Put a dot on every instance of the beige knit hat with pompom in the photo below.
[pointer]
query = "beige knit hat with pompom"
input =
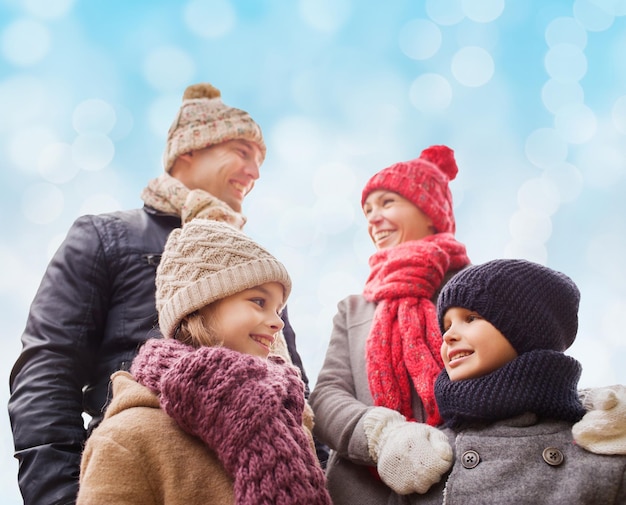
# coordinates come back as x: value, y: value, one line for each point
x: 204, y: 120
x: 205, y: 261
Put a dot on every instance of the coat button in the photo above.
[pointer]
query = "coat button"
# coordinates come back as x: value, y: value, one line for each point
x: 470, y: 459
x: 553, y: 456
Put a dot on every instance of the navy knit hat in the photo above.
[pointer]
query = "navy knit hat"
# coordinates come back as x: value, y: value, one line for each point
x: 533, y: 306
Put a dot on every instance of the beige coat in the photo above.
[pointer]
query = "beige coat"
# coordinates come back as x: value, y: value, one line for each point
x: 140, y: 455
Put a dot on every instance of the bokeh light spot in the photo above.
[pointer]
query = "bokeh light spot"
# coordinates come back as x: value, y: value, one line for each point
x: 332, y: 215
x: 210, y: 19
x: 93, y: 116
x: 539, y: 196
x: 613, y: 322
x: 556, y: 94
x: 297, y: 228
x: 124, y: 123
x: 420, y: 39
x: 567, y: 179
x: 49, y: 9
x: 297, y: 139
x: 22, y: 98
x: 618, y: 114
x: 334, y: 179
x: 528, y: 226
x: 566, y: 62
x: 605, y: 255
x: 42, y: 203
x: 545, y: 148
x: 26, y: 144
x: 602, y: 164
x: 430, y: 93
x: 25, y: 42
x: 325, y: 15
x: 484, y: 11
x: 10, y: 269
x: 445, y: 12
x: 56, y: 164
x: 472, y: 66
x: 92, y: 151
x: 161, y: 113
x: 576, y: 123
x: 566, y: 30
x: 592, y: 15
x: 168, y: 68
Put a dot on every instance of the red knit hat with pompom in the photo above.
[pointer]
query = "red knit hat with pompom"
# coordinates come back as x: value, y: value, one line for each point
x: 424, y: 182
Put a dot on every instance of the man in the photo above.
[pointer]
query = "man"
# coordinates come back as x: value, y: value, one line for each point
x: 95, y: 305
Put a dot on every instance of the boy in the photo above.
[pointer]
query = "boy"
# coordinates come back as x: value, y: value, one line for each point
x: 508, y: 394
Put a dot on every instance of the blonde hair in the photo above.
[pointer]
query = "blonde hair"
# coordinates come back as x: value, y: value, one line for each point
x: 197, y: 329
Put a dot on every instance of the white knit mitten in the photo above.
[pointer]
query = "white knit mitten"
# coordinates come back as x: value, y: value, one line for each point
x: 410, y: 456
x: 602, y: 429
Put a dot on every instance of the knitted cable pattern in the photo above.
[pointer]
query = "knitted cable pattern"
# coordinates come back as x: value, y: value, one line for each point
x: 169, y: 195
x: 247, y: 410
x: 541, y: 381
x: 405, y: 340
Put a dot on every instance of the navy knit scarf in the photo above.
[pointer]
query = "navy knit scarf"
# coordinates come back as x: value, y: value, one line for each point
x: 541, y: 381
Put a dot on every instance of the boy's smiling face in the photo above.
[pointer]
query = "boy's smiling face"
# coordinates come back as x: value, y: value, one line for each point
x: 472, y: 346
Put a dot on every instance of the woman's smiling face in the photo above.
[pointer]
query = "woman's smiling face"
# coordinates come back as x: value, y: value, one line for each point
x: 392, y: 219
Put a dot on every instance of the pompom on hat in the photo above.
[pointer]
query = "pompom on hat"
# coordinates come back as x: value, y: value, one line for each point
x: 204, y: 120
x: 205, y: 261
x: 424, y: 182
x: 533, y: 306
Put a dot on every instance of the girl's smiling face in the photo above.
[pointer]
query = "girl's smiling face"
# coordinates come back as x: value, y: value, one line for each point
x: 247, y: 321
x: 472, y: 346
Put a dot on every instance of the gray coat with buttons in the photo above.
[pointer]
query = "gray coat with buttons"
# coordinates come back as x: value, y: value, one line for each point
x: 524, y: 461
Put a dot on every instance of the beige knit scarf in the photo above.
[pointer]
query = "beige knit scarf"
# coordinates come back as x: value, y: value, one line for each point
x: 168, y: 194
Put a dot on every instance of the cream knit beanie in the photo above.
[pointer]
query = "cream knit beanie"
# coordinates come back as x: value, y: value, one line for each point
x: 204, y: 120
x: 205, y: 261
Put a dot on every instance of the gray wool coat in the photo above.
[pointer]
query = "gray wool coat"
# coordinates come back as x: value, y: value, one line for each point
x: 512, y: 469
x: 341, y: 399
x: 524, y: 461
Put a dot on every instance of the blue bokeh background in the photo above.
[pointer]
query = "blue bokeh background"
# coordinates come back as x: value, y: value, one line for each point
x: 530, y: 95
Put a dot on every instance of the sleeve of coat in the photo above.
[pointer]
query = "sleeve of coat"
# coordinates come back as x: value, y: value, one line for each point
x: 59, y: 343
x: 338, y: 413
x: 111, y: 473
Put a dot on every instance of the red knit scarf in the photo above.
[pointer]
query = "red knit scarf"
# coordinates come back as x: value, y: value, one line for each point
x: 404, y: 341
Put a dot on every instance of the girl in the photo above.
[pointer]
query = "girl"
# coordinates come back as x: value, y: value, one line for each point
x: 207, y: 415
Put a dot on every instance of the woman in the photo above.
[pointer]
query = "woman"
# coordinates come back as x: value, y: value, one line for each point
x: 383, y: 356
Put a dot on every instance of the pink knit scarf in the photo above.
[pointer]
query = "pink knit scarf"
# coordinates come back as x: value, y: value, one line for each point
x: 246, y: 409
x: 404, y: 341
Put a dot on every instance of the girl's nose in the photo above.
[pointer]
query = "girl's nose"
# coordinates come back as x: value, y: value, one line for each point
x: 277, y: 323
